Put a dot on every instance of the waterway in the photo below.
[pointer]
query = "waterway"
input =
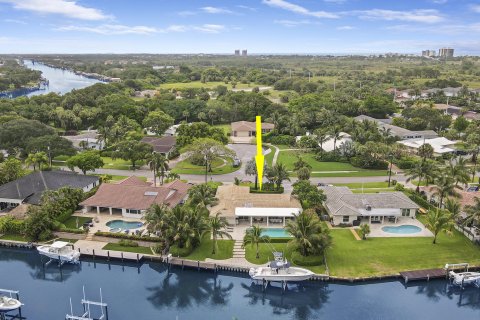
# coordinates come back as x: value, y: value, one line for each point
x: 59, y: 81
x: 150, y: 291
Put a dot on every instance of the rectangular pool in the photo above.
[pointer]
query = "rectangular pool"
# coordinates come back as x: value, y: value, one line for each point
x: 276, y: 233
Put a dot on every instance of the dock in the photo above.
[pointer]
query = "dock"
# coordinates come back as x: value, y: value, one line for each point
x: 425, y: 274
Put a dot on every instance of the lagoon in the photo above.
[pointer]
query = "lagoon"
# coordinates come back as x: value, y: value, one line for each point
x: 150, y: 291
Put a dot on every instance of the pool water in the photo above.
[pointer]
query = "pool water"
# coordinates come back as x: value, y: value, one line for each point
x: 405, y: 229
x: 276, y: 233
x: 124, y: 225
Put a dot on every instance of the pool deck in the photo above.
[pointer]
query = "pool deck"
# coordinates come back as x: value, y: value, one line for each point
x: 103, y: 219
x: 377, y: 232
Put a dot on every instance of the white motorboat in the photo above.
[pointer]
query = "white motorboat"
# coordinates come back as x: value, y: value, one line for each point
x: 9, y: 304
x: 464, y: 278
x: 60, y: 250
x: 280, y: 270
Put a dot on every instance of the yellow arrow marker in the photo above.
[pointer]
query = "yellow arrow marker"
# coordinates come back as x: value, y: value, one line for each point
x: 259, y: 158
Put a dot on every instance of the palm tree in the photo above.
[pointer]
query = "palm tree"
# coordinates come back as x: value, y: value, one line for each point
x: 158, y: 220
x: 157, y: 163
x: 322, y: 137
x: 417, y: 172
x: 459, y: 171
x: 473, y: 212
x: 280, y: 174
x: 365, y: 230
x: 30, y: 161
x: 335, y: 135
x: 453, y: 206
x: 251, y: 170
x: 37, y: 159
x: 218, y: 226
x: 437, y: 221
x: 445, y: 186
x: 186, y: 114
x: 202, y: 195
x: 254, y: 237
x: 310, y: 236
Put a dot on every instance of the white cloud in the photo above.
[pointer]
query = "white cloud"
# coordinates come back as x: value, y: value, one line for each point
x: 209, y: 28
x: 345, y: 28
x: 187, y: 13
x: 15, y: 21
x: 246, y: 7
x: 63, y: 7
x: 475, y: 7
x: 285, y: 5
x: 111, y: 29
x: 439, y: 1
x: 423, y: 16
x: 292, y: 23
x: 216, y: 10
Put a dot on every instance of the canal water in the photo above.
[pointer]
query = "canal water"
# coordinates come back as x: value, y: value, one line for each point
x: 150, y: 291
x: 60, y: 81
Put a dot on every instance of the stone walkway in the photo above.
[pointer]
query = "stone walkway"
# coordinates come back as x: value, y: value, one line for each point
x: 238, y: 250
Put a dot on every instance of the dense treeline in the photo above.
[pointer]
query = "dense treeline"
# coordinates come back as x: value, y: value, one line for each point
x: 14, y: 76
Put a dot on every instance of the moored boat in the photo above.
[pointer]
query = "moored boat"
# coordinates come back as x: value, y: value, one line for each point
x: 9, y: 304
x: 280, y: 270
x: 60, y: 250
x: 464, y: 278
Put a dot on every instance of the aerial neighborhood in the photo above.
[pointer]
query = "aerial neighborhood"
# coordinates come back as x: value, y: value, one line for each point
x: 173, y: 172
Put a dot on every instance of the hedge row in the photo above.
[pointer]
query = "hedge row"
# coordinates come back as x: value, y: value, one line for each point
x: 126, y: 236
x: 71, y: 230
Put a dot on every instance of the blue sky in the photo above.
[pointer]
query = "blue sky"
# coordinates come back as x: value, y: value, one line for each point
x: 261, y: 26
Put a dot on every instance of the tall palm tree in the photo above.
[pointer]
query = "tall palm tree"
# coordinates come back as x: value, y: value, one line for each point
x: 445, y: 186
x: 454, y: 207
x: 417, y: 172
x: 157, y: 162
x: 335, y: 135
x: 437, y: 221
x: 158, y: 220
x: 280, y: 174
x: 322, y: 137
x: 310, y: 236
x: 218, y: 226
x: 31, y: 161
x: 473, y: 212
x: 459, y: 171
x: 254, y: 237
x: 37, y: 159
x: 202, y: 195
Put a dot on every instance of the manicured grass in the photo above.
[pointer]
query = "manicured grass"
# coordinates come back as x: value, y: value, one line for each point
x: 117, y: 247
x: 71, y: 223
x: 284, y: 146
x: 266, y: 255
x: 269, y: 157
x: 14, y: 237
x: 119, y: 164
x: 373, y: 190
x: 381, y: 256
x: 218, y: 167
x: 359, y: 185
x: 290, y: 157
x: 204, y: 251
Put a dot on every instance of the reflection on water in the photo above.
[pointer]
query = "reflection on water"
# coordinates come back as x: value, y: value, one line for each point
x: 151, y: 291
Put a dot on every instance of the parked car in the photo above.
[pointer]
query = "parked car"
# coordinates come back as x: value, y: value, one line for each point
x: 236, y: 162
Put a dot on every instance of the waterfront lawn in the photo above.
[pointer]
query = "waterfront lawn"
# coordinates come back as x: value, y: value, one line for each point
x: 14, y: 237
x: 266, y: 255
x: 71, y: 223
x: 117, y: 247
x: 290, y: 157
x: 381, y: 256
x: 218, y: 167
x: 204, y: 250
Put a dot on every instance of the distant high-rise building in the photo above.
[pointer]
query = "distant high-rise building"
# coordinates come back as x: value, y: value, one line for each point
x: 445, y: 52
x: 428, y: 53
x: 244, y: 52
x: 237, y: 52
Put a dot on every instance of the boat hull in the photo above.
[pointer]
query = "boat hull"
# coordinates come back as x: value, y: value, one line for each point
x: 465, y: 278
x: 9, y: 304
x: 71, y: 257
x: 284, y: 275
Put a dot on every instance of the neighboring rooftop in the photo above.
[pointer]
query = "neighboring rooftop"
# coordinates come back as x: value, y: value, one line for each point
x: 399, y: 131
x: 29, y: 188
x: 341, y: 201
x: 440, y: 145
x: 133, y: 193
x: 250, y: 126
x: 163, y: 144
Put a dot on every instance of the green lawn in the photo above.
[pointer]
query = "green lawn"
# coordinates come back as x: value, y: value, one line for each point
x: 71, y: 223
x: 117, y: 247
x: 218, y: 167
x: 119, y: 164
x: 204, y: 251
x: 359, y: 185
x: 14, y: 237
x: 381, y: 256
x: 267, y: 255
x: 269, y: 157
x: 290, y: 157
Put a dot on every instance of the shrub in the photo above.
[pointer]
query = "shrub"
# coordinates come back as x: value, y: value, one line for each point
x: 173, y: 154
x: 10, y: 225
x: 180, y: 252
x: 279, y: 139
x: 399, y: 187
x: 330, y: 157
x: 126, y: 236
x: 266, y: 190
x: 279, y: 240
x: 312, y: 260
x: 70, y: 230
x: 405, y: 163
x: 128, y: 243
x: 360, y: 163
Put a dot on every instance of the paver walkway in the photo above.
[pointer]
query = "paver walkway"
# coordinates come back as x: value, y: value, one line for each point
x: 238, y: 250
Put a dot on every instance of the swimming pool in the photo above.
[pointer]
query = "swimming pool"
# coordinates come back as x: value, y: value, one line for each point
x: 404, y: 229
x: 276, y: 233
x: 124, y: 225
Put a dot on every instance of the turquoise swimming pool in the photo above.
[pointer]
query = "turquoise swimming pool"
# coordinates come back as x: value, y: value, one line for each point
x: 276, y: 233
x: 124, y: 225
x: 405, y: 229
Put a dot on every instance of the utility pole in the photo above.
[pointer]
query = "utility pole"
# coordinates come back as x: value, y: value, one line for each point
x: 49, y: 157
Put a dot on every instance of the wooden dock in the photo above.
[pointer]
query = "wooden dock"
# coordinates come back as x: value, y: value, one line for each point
x: 426, y: 274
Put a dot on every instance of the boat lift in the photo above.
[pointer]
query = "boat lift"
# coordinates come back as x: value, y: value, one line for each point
x: 7, y: 315
x: 86, y: 304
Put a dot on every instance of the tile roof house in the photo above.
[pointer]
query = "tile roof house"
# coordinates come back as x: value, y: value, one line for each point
x: 399, y: 132
x: 132, y: 197
x: 163, y: 145
x: 243, y: 131
x: 29, y: 189
x: 345, y: 207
